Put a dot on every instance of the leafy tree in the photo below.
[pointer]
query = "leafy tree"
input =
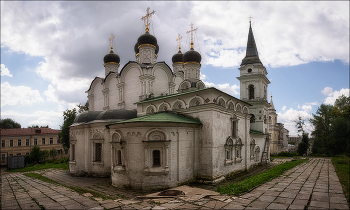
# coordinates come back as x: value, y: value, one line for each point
x: 83, y: 108
x: 68, y: 119
x: 53, y: 153
x: 9, y: 123
x: 36, y: 155
x: 304, y: 144
x: 332, y: 128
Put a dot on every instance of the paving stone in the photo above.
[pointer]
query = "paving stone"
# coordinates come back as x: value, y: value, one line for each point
x: 233, y: 206
x: 281, y: 200
x: 319, y: 204
x: 277, y: 206
x: 272, y: 193
x: 296, y: 207
x: 215, y: 204
x: 338, y: 206
x: 112, y: 205
x: 259, y: 204
x: 338, y: 199
x: 300, y: 202
x: 303, y: 196
x: 187, y: 206
x: 171, y: 205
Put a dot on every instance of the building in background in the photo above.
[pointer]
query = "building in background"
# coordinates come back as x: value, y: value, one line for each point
x: 19, y: 141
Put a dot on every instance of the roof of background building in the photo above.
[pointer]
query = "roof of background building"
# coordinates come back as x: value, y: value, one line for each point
x: 28, y: 131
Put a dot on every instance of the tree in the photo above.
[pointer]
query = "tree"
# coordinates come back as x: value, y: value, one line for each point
x: 68, y: 119
x: 83, y: 108
x: 9, y: 123
x: 332, y: 128
x: 53, y: 153
x: 304, y: 144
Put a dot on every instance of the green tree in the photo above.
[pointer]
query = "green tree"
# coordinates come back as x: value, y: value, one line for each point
x: 9, y: 123
x: 53, y: 153
x: 83, y: 108
x: 36, y: 155
x: 304, y: 144
x: 68, y: 119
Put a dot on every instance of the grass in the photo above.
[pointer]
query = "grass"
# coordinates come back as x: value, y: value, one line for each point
x: 76, y: 189
x: 64, y: 166
x: 251, y: 182
x: 341, y: 164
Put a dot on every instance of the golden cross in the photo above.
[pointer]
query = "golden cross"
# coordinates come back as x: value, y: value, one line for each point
x: 192, y: 34
x: 250, y: 19
x: 178, y: 39
x: 111, y: 39
x: 148, y: 15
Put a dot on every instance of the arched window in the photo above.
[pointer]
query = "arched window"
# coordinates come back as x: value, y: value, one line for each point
x: 156, y: 158
x: 228, y: 151
x: 251, y: 91
x: 119, y: 158
x: 252, y: 118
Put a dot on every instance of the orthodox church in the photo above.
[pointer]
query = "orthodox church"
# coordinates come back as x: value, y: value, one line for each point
x: 151, y: 125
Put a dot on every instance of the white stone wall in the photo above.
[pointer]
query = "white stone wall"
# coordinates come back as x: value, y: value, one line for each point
x: 132, y: 88
x: 161, y: 83
x: 113, y: 93
x: 98, y: 97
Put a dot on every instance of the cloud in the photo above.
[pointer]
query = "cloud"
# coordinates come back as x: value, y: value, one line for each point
x: 13, y: 95
x: 232, y: 90
x: 288, y: 119
x: 284, y: 108
x: 327, y: 90
x: 51, y: 118
x: 334, y: 95
x: 72, y: 37
x: 5, y: 71
x: 307, y: 108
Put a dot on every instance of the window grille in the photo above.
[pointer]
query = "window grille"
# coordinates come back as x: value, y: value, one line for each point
x: 156, y: 158
x: 98, y: 152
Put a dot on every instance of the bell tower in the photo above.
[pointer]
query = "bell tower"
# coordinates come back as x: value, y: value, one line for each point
x: 253, y: 85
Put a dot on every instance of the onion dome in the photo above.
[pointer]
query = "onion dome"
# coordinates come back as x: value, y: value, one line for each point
x: 111, y: 57
x: 192, y: 56
x: 147, y: 38
x: 178, y: 57
x: 136, y: 48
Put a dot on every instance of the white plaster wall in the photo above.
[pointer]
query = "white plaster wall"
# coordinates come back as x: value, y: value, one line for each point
x: 98, y: 97
x: 161, y: 82
x: 113, y: 93
x: 132, y: 88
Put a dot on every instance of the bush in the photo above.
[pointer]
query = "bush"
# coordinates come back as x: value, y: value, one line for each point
x: 36, y: 156
x: 287, y: 154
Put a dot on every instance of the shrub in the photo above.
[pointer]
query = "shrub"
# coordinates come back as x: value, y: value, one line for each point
x: 287, y: 154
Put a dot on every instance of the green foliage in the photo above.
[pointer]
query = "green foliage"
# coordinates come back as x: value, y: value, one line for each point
x: 251, y: 182
x: 68, y: 119
x: 332, y: 128
x: 9, y: 123
x: 36, y: 155
x: 83, y: 108
x: 341, y: 164
x: 53, y: 153
x: 304, y: 144
x: 287, y: 154
x: 32, y: 167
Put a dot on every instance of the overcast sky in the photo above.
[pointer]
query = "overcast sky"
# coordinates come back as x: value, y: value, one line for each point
x: 51, y: 51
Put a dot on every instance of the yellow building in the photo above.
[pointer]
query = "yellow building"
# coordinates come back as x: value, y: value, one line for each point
x: 19, y: 141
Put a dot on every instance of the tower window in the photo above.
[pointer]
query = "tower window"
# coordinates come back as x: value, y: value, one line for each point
x: 249, y: 70
x: 156, y: 158
x: 251, y: 91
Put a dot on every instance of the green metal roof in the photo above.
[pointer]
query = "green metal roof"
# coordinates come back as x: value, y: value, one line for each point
x: 165, y: 117
x: 256, y: 132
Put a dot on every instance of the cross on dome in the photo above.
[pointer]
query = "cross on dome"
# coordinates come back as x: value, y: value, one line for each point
x: 179, y: 39
x: 148, y: 15
x: 250, y: 19
x: 111, y: 39
x: 192, y: 34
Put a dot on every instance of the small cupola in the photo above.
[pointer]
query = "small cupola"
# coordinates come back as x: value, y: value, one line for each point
x: 111, y: 60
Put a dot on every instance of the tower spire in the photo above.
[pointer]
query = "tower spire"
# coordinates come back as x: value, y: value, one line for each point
x: 271, y: 104
x: 252, y: 55
x: 148, y: 15
x: 192, y: 34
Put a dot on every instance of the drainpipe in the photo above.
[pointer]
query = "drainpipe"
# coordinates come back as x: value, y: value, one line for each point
x: 178, y: 155
x: 245, y: 143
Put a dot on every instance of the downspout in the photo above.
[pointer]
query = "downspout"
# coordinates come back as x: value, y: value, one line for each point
x: 245, y: 143
x: 178, y: 155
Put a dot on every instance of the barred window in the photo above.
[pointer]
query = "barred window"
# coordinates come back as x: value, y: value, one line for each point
x: 98, y: 152
x: 156, y: 158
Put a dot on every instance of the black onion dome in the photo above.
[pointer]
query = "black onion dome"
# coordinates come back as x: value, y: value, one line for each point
x: 178, y: 57
x: 111, y: 57
x: 147, y: 38
x: 192, y: 56
x: 157, y: 49
x: 136, y: 48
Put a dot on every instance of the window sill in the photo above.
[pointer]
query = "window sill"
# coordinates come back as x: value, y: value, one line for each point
x: 238, y: 160
x: 72, y: 163
x: 119, y: 169
x: 228, y: 162
x: 97, y: 163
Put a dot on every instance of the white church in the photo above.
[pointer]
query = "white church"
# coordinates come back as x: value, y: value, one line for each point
x: 153, y: 126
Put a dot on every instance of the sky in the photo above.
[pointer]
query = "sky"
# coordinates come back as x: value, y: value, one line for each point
x: 52, y: 50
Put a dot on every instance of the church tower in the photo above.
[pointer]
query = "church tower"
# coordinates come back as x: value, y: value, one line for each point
x: 111, y: 60
x: 253, y: 85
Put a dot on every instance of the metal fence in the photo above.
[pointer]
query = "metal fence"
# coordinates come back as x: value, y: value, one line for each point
x: 15, y: 162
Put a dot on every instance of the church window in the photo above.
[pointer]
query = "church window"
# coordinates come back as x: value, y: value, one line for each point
x: 98, y: 152
x: 234, y: 129
x: 249, y: 70
x: 257, y: 152
x: 229, y: 151
x: 252, y: 118
x: 251, y: 91
x: 231, y: 106
x: 73, y: 152
x: 221, y: 102
x: 156, y: 158
x: 252, y: 146
x: 239, y: 146
x: 119, y: 158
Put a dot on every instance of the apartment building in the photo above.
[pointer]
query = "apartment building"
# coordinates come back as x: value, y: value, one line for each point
x: 19, y: 141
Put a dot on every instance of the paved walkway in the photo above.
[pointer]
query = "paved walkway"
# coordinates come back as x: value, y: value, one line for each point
x: 313, y: 185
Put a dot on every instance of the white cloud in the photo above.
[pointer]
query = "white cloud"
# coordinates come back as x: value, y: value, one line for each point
x: 5, y: 71
x: 232, y: 90
x: 13, y: 95
x: 334, y: 95
x: 312, y: 103
x: 202, y: 77
x: 307, y: 108
x: 284, y: 108
x: 288, y: 119
x: 42, y: 118
x: 327, y: 90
